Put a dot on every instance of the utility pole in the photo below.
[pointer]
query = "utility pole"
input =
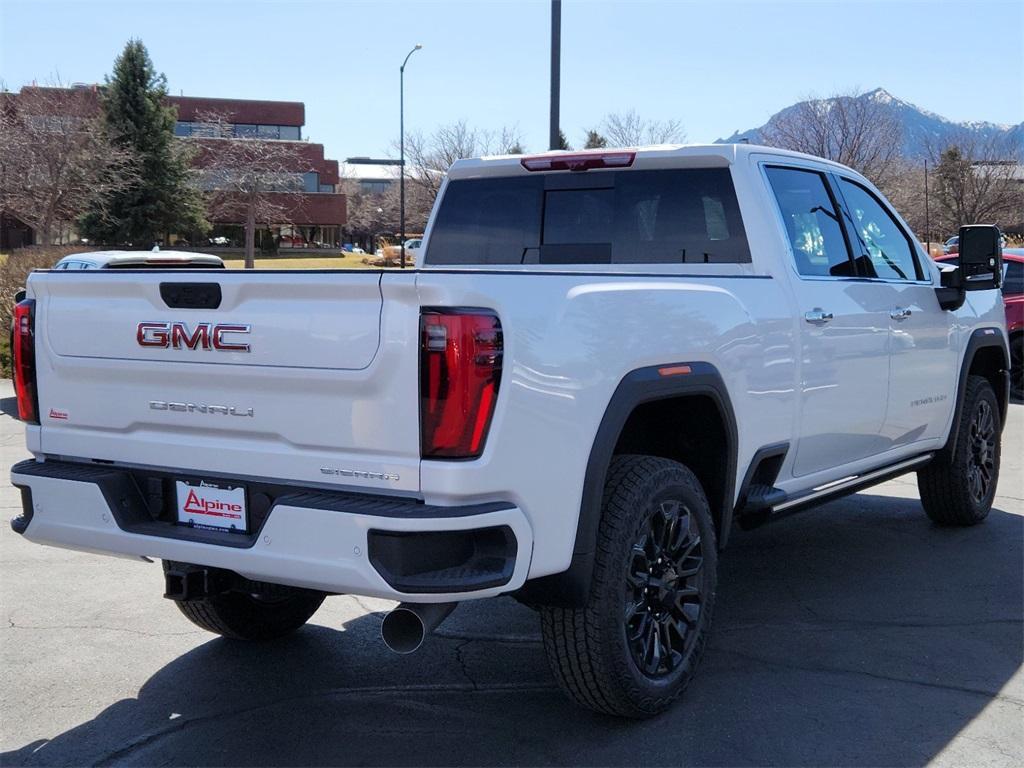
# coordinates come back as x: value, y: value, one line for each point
x: 927, y: 223
x: 556, y: 66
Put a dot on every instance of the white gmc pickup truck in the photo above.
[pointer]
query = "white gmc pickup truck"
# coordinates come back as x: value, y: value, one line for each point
x: 602, y: 363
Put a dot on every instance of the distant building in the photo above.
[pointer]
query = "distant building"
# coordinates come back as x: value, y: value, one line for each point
x: 372, y: 176
x: 316, y: 214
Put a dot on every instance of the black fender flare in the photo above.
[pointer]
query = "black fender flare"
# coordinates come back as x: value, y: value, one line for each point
x: 643, y: 385
x: 980, y: 338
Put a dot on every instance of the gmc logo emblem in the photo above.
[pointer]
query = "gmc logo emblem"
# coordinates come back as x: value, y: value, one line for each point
x: 205, y: 336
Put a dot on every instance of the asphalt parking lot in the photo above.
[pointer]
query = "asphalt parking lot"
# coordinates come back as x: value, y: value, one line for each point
x: 857, y: 634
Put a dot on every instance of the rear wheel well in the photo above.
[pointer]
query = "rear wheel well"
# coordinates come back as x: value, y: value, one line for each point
x: 691, y: 430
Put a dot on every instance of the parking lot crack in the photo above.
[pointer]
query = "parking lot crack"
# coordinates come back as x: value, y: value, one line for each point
x: 461, y: 659
x: 825, y: 670
x: 183, y: 723
x: 98, y: 628
x: 839, y: 626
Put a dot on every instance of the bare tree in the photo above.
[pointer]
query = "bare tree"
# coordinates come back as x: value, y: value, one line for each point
x: 56, y: 161
x: 977, y: 181
x: 853, y: 129
x: 628, y: 129
x: 904, y: 186
x: 249, y: 180
x: 428, y: 158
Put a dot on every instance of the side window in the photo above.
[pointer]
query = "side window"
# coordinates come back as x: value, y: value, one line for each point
x: 885, y: 251
x: 812, y: 222
x: 1013, y: 278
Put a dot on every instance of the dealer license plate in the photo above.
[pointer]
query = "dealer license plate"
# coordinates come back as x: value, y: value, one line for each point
x: 212, y: 505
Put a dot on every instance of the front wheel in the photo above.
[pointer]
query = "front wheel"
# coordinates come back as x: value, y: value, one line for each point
x: 958, y: 486
x: 633, y: 648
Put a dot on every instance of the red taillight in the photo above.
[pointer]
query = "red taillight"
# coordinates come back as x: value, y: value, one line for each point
x: 581, y: 161
x: 460, y: 370
x: 24, y: 353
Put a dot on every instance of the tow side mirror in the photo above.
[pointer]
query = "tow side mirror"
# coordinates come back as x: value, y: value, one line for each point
x: 981, y: 257
x: 951, y: 294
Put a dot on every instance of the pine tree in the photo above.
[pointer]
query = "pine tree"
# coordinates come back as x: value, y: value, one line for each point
x: 563, y: 143
x: 595, y: 140
x: 138, y: 119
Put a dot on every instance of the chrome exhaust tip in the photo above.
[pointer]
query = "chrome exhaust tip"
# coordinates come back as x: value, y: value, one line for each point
x: 406, y: 627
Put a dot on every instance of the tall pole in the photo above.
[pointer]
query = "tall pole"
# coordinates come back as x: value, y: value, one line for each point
x: 927, y: 223
x: 401, y: 150
x: 556, y: 67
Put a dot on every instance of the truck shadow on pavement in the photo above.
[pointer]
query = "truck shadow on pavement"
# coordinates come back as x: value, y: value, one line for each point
x: 858, y: 634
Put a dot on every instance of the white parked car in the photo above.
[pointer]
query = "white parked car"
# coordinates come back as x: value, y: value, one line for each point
x: 604, y: 361
x: 138, y: 260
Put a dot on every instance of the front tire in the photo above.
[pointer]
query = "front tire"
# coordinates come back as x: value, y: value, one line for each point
x: 958, y: 486
x: 243, y: 616
x: 634, y: 647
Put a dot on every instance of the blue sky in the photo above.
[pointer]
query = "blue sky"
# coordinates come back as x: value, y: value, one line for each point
x: 715, y: 66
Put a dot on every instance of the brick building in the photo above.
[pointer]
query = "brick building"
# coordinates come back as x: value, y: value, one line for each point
x: 314, y: 206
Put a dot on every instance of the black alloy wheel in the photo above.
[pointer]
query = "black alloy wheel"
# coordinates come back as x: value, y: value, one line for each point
x: 981, y: 471
x: 664, y: 588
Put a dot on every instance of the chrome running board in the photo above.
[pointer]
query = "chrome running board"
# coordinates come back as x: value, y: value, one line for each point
x: 851, y: 484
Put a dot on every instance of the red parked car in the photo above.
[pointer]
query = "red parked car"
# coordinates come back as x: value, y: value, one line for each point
x: 1013, y: 300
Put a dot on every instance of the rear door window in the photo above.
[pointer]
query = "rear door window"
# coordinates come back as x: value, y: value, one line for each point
x: 811, y: 218
x: 625, y: 217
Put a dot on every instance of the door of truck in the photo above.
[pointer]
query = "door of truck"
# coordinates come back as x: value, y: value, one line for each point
x: 844, y: 328
x: 922, y: 369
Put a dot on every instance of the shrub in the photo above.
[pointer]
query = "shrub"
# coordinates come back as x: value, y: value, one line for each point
x: 14, y: 274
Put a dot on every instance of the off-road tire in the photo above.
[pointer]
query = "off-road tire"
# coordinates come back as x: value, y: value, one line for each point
x: 945, y: 484
x: 241, y: 616
x: 587, y: 647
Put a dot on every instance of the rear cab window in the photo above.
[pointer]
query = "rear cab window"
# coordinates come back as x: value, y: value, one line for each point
x: 671, y: 216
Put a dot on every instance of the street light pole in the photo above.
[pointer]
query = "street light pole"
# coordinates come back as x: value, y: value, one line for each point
x: 554, y: 137
x: 401, y: 145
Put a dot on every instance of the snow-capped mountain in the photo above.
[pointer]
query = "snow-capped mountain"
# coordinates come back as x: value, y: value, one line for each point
x: 921, y: 128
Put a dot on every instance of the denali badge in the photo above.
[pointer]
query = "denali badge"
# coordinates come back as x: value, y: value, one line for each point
x: 359, y: 473
x: 205, y: 336
x: 226, y: 410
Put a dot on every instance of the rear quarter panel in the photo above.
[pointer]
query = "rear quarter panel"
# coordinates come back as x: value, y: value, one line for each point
x: 570, y: 338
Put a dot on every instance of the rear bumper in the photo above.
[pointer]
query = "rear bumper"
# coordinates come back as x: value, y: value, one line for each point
x: 380, y: 546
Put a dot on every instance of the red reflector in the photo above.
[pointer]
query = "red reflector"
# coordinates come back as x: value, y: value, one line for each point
x: 24, y: 354
x: 675, y: 370
x: 581, y: 161
x: 460, y: 370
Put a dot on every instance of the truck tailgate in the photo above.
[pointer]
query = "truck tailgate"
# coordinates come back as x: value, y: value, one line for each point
x: 128, y: 373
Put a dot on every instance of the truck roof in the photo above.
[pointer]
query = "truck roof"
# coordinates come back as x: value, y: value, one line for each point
x: 654, y: 156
